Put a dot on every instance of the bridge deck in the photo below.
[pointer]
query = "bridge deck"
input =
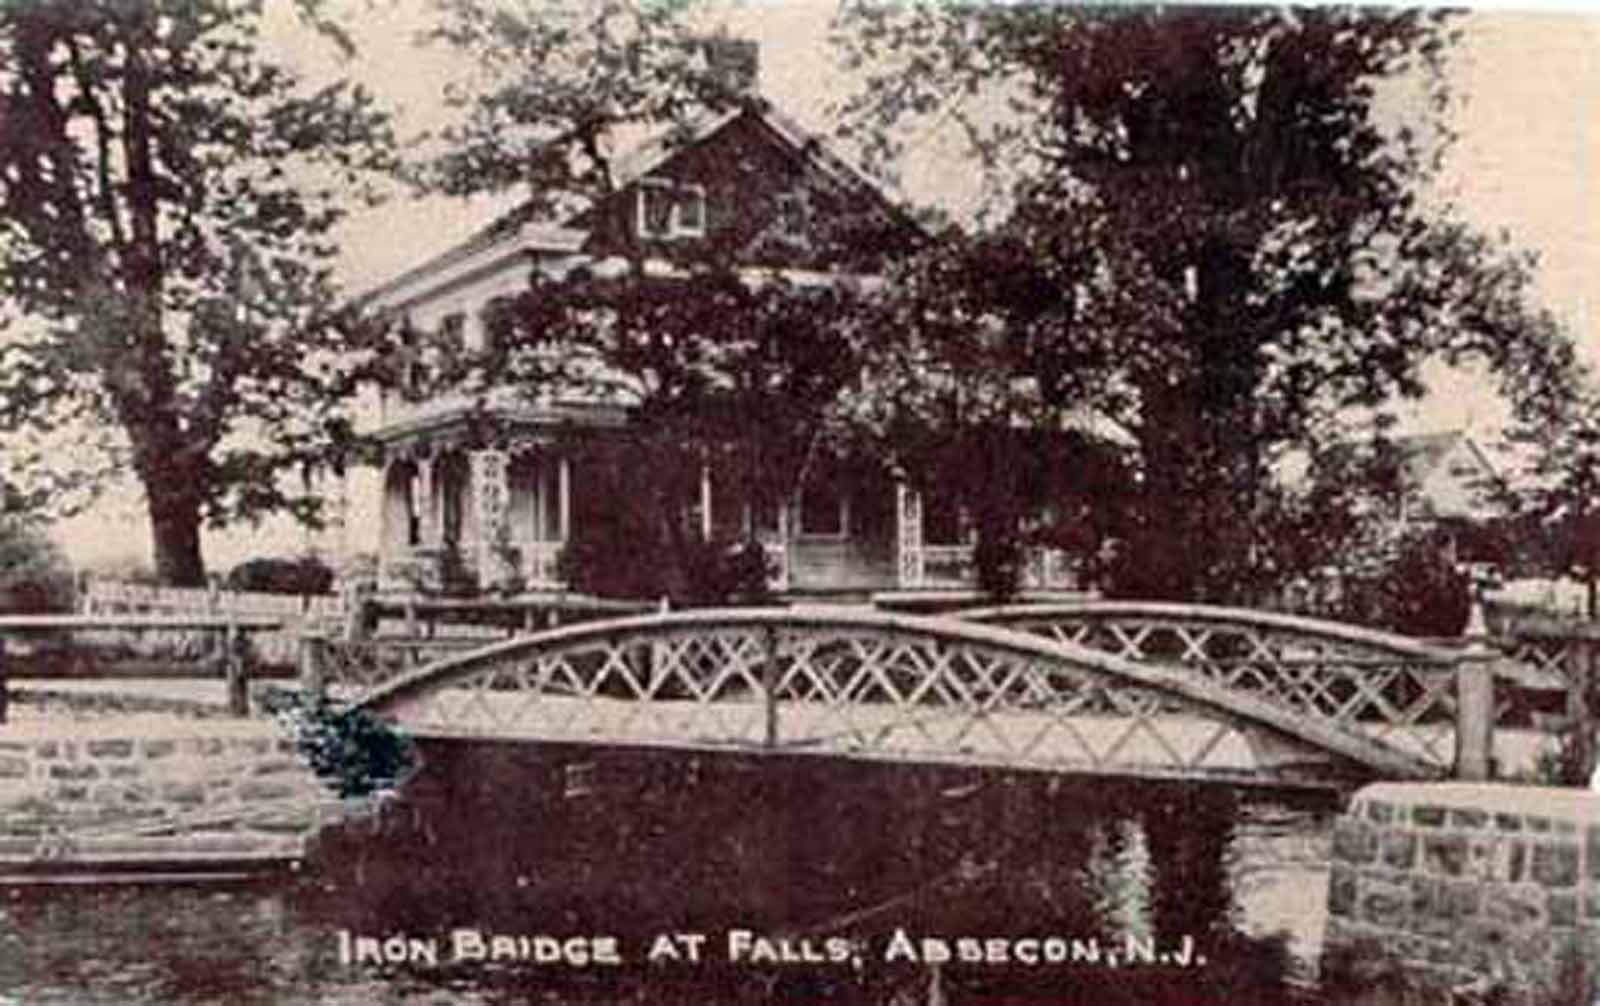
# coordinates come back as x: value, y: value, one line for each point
x: 1166, y: 745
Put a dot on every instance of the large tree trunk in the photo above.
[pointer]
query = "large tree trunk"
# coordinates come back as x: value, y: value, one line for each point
x: 175, y: 530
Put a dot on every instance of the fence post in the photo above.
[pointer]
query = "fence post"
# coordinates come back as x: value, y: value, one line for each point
x: 1475, y: 713
x: 1582, y: 654
x: 313, y: 663
x: 5, y: 682
x: 238, y: 678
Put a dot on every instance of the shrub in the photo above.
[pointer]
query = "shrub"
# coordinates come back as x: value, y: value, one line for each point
x: 35, y: 577
x: 1418, y: 592
x: 353, y: 752
x: 643, y: 566
x: 305, y: 575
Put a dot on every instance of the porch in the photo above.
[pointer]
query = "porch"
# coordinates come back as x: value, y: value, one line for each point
x: 458, y: 522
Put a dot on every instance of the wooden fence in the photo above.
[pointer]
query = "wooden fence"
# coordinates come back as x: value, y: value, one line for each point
x: 278, y: 646
x: 226, y: 650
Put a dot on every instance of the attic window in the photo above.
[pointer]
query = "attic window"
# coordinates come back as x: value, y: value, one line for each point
x: 791, y: 215
x: 667, y: 210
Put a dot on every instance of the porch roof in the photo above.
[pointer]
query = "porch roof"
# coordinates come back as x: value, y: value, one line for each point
x: 468, y: 423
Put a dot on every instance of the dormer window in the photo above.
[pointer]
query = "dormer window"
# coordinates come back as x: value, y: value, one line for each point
x: 670, y: 210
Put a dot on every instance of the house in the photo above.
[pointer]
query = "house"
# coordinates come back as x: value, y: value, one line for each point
x: 1446, y: 476
x: 494, y: 486
x: 1443, y: 482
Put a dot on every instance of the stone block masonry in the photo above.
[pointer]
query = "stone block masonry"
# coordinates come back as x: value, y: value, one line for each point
x: 133, y: 789
x: 1451, y: 886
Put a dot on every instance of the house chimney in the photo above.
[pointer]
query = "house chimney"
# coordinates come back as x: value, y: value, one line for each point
x: 735, y: 63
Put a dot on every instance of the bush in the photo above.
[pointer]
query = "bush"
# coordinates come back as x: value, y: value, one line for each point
x: 1418, y: 592
x: 35, y: 577
x: 353, y: 752
x: 642, y: 566
x: 305, y: 575
x: 998, y: 557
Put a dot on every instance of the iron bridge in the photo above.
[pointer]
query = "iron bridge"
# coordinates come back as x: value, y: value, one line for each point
x: 1154, y: 691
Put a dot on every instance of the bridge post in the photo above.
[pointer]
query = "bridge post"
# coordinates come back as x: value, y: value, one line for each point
x: 235, y: 671
x: 1475, y: 713
x: 313, y: 663
x: 769, y: 688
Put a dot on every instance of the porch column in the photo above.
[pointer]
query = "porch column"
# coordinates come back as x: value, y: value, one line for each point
x: 386, y: 506
x: 705, y: 501
x: 908, y: 522
x: 564, y: 497
x: 491, y: 499
x: 428, y: 532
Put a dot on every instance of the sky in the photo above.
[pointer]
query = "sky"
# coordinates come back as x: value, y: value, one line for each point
x: 1526, y: 162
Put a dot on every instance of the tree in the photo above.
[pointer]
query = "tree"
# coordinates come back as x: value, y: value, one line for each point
x: 1229, y: 248
x: 950, y: 394
x: 167, y: 200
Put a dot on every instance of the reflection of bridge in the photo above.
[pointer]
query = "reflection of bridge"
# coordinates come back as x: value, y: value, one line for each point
x: 1161, y: 691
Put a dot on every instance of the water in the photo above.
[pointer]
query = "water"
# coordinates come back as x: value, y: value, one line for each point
x: 799, y: 881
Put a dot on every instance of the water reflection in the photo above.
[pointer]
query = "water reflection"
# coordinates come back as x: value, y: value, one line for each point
x: 945, y: 886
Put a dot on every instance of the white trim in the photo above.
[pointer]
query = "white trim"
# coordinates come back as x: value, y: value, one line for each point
x: 844, y: 518
x: 672, y: 191
x: 456, y: 267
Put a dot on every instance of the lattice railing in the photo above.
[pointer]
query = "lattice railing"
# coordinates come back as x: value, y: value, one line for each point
x: 948, y: 566
x: 1390, y: 688
x: 350, y: 670
x: 870, y: 685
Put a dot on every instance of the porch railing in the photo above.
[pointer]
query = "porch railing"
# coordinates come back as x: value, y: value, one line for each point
x: 541, y: 564
x: 954, y: 566
x: 423, y: 567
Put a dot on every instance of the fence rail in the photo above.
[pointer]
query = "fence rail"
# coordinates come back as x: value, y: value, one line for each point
x: 228, y: 651
x: 279, y: 646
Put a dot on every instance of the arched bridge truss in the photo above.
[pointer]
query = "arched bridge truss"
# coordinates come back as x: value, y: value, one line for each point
x: 875, y: 686
x: 1395, y: 690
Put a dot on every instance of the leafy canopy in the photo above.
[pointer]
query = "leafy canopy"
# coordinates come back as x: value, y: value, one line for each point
x: 1216, y: 230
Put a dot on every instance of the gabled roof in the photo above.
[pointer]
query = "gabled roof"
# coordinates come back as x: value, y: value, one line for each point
x: 1422, y: 454
x: 518, y: 231
x: 1418, y: 455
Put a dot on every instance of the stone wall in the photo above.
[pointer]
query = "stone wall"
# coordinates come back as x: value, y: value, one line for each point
x: 1480, y: 888
x: 151, y: 788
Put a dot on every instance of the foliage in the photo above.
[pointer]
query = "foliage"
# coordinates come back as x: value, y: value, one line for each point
x: 35, y: 576
x: 1419, y: 592
x: 352, y: 751
x: 167, y: 199
x: 1204, y: 231
x: 1557, y: 505
x: 638, y: 545
x: 303, y: 575
x: 551, y: 85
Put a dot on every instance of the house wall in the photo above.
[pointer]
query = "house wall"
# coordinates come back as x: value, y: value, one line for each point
x: 1451, y: 489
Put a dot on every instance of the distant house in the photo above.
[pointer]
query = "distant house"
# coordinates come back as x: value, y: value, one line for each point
x: 749, y: 183
x: 1443, y: 482
x: 1445, y: 476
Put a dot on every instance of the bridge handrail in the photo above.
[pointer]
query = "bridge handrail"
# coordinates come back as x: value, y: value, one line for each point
x: 1193, y: 690
x: 233, y: 627
x: 1341, y: 631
